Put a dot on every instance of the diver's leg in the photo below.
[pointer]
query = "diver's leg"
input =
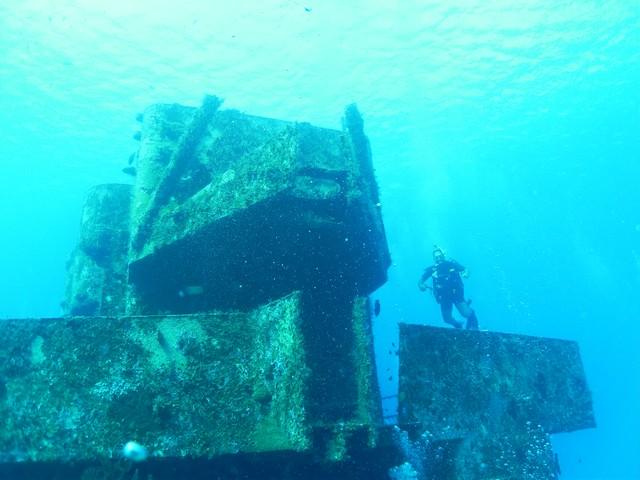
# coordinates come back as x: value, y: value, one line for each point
x: 472, y: 321
x: 446, y: 308
x: 467, y: 312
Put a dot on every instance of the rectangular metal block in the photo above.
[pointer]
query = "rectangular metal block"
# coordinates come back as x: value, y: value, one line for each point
x: 250, y: 209
x: 97, y: 269
x: 200, y: 386
x: 456, y: 381
x: 78, y: 388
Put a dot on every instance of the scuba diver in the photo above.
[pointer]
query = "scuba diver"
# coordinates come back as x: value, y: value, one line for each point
x: 448, y: 289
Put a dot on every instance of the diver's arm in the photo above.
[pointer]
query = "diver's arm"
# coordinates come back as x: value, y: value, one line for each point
x: 422, y: 283
x: 461, y: 269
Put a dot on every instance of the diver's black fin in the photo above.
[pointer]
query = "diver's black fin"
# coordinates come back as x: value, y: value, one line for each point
x: 472, y: 322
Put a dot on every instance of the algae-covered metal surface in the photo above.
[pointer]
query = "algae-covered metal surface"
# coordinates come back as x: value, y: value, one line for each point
x: 495, y: 396
x: 243, y: 256
x: 250, y: 209
x: 505, y: 450
x: 338, y: 345
x: 458, y: 380
x: 229, y: 212
x: 197, y: 386
x: 97, y: 269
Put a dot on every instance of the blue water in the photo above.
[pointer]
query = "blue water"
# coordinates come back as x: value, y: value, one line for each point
x: 507, y: 132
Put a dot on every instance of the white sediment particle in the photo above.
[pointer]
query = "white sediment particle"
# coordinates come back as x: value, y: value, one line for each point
x: 134, y: 451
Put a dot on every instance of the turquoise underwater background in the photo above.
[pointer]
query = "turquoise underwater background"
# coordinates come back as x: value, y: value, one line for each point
x: 506, y: 132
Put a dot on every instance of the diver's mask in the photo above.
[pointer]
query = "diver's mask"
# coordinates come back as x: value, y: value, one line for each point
x: 438, y: 255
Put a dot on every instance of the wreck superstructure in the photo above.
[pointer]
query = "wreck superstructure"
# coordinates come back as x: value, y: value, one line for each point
x: 218, y: 313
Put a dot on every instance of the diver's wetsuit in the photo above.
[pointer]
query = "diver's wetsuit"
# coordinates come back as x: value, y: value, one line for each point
x: 448, y: 290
